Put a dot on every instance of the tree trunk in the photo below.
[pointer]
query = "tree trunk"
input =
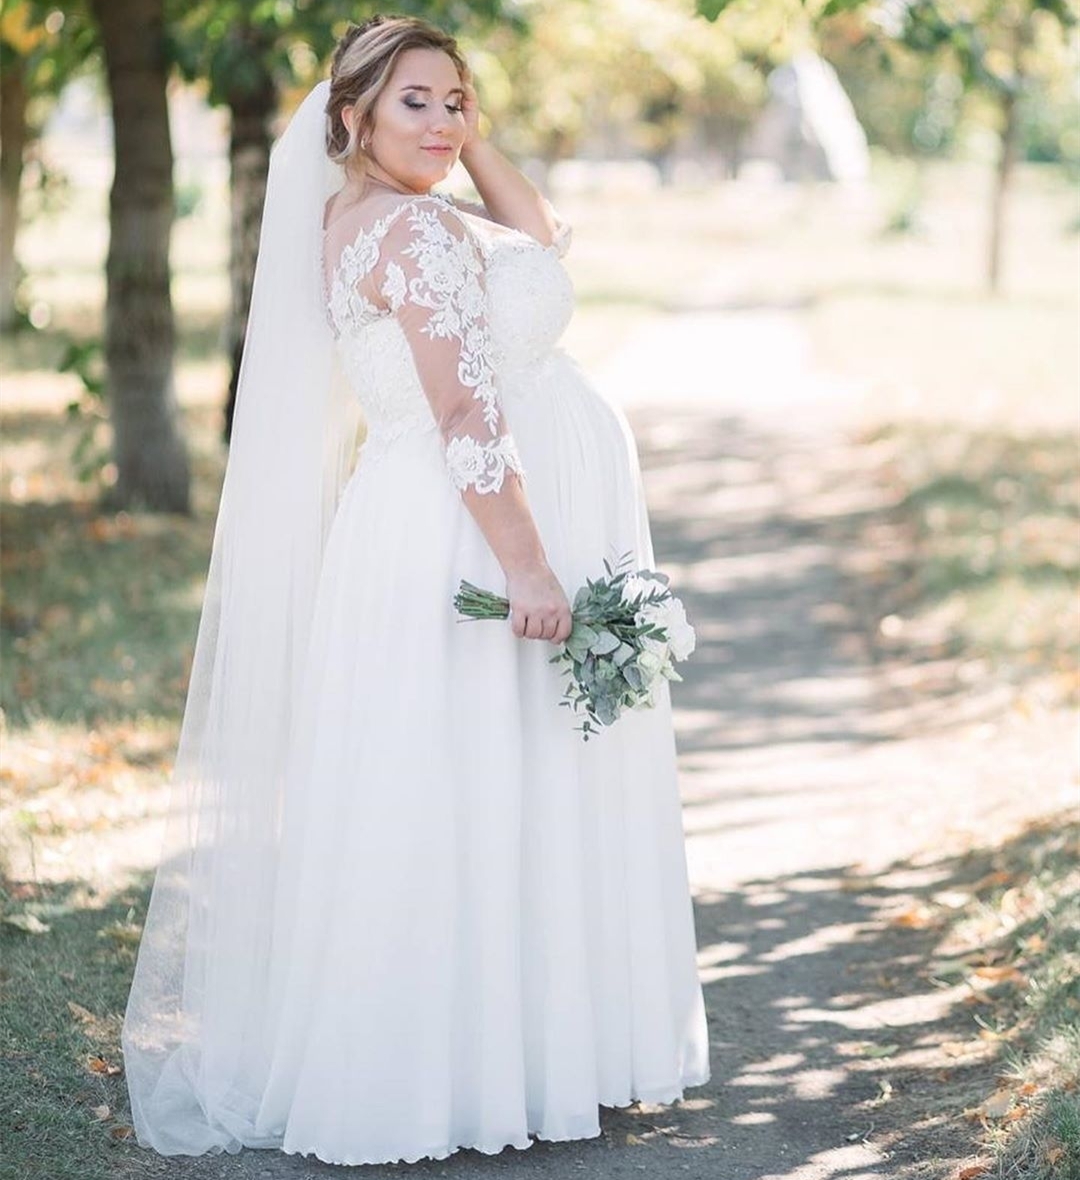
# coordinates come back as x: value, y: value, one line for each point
x: 13, y: 138
x: 1002, y: 176
x: 249, y: 162
x: 151, y: 459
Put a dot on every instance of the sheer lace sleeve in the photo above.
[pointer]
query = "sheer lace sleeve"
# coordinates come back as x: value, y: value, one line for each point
x: 563, y: 232
x: 430, y: 275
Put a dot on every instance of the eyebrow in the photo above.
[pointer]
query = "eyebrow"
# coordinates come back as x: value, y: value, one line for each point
x: 456, y: 90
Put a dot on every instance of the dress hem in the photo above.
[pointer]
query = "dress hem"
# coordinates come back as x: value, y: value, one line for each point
x: 671, y: 1094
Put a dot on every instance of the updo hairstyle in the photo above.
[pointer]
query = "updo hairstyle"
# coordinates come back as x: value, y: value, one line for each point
x: 363, y: 61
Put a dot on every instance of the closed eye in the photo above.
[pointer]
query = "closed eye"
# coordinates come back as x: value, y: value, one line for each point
x: 419, y: 106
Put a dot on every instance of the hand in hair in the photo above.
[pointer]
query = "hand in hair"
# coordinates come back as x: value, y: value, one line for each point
x: 470, y: 108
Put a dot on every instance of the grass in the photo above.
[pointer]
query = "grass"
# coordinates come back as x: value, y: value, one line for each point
x: 994, y: 521
x: 64, y: 990
x: 1024, y: 920
x: 99, y: 610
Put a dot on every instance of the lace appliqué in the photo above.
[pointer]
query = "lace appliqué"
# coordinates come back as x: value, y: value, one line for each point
x: 449, y: 284
x: 346, y: 304
x: 482, y: 465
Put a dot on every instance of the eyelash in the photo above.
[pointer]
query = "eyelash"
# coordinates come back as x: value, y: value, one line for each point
x: 419, y: 106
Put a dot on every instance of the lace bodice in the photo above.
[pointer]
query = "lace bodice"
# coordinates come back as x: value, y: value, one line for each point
x: 439, y: 315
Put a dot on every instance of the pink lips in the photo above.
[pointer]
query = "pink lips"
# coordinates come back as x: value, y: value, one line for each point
x: 439, y: 148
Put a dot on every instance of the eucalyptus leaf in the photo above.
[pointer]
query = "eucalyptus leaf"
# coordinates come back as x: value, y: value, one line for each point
x: 604, y: 643
x: 584, y: 632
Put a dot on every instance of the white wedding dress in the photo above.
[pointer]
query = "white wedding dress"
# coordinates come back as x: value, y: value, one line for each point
x: 483, y: 927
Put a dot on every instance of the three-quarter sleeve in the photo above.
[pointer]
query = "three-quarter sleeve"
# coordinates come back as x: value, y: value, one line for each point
x: 430, y: 273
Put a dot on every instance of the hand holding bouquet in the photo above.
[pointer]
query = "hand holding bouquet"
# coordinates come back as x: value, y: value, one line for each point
x: 628, y: 631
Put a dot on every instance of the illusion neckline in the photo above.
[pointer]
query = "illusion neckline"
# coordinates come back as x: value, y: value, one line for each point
x: 410, y: 196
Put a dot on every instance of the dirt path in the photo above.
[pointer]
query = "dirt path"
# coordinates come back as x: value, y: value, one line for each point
x: 823, y: 800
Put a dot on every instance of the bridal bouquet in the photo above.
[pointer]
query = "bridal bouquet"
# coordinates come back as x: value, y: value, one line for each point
x: 628, y: 630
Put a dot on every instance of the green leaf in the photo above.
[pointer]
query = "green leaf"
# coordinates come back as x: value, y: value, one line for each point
x: 711, y: 9
x: 604, y: 643
x: 622, y: 653
x: 835, y: 6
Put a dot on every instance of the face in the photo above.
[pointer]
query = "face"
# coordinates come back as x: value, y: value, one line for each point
x: 418, y: 123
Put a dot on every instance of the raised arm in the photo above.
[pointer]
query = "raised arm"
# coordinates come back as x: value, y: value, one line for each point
x: 430, y: 274
x: 508, y: 195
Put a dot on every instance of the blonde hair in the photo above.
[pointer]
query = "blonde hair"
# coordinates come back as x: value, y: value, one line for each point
x: 363, y: 61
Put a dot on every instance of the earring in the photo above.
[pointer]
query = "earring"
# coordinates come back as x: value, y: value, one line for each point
x: 363, y: 143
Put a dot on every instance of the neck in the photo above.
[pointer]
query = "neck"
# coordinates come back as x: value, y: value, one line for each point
x: 376, y: 175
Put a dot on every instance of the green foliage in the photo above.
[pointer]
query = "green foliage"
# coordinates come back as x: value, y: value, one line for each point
x: 908, y: 67
x: 634, y: 79
x: 49, y: 45
x: 240, y: 49
x: 90, y: 452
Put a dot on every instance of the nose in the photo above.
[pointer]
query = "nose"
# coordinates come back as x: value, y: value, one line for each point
x: 440, y: 121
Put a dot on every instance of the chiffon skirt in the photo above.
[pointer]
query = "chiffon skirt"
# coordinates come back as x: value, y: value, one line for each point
x: 483, y: 927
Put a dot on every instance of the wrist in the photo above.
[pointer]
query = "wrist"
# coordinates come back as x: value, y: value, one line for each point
x: 524, y: 565
x: 474, y: 150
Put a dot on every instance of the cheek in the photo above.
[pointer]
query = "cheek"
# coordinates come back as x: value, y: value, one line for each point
x: 397, y: 125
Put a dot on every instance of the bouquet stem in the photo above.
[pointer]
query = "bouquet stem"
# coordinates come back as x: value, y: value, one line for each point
x: 474, y: 603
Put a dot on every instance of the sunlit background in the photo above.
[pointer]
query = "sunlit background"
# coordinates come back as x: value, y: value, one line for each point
x: 827, y: 259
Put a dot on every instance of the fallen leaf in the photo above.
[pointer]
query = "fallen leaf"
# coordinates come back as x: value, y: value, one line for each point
x: 100, y: 1112
x: 30, y: 923
x: 1053, y: 1154
x: 634, y: 1140
x: 82, y: 1013
x: 998, y: 877
x: 880, y: 1050
x: 970, y: 1171
x: 1000, y: 974
x: 884, y: 1093
x: 98, y: 1064
x: 997, y: 1105
x: 916, y: 918
x: 958, y: 1048
x: 121, y: 1131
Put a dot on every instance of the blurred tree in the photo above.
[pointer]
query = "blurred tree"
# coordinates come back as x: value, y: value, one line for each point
x: 140, y: 332
x: 999, y: 51
x: 41, y: 49
x: 637, y: 75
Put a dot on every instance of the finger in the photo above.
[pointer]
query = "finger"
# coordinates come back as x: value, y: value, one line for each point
x: 517, y: 624
x: 533, y: 628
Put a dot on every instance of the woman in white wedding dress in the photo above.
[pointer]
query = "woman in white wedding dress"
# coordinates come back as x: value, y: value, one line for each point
x: 451, y: 923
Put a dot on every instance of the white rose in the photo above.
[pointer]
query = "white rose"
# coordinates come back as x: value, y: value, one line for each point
x: 681, y: 636
x: 650, y: 662
x: 633, y: 589
x: 671, y: 615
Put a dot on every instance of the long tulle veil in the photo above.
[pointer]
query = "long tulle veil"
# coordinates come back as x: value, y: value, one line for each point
x: 191, y: 1034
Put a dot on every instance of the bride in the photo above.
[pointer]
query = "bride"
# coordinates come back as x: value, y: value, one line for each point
x: 401, y: 907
